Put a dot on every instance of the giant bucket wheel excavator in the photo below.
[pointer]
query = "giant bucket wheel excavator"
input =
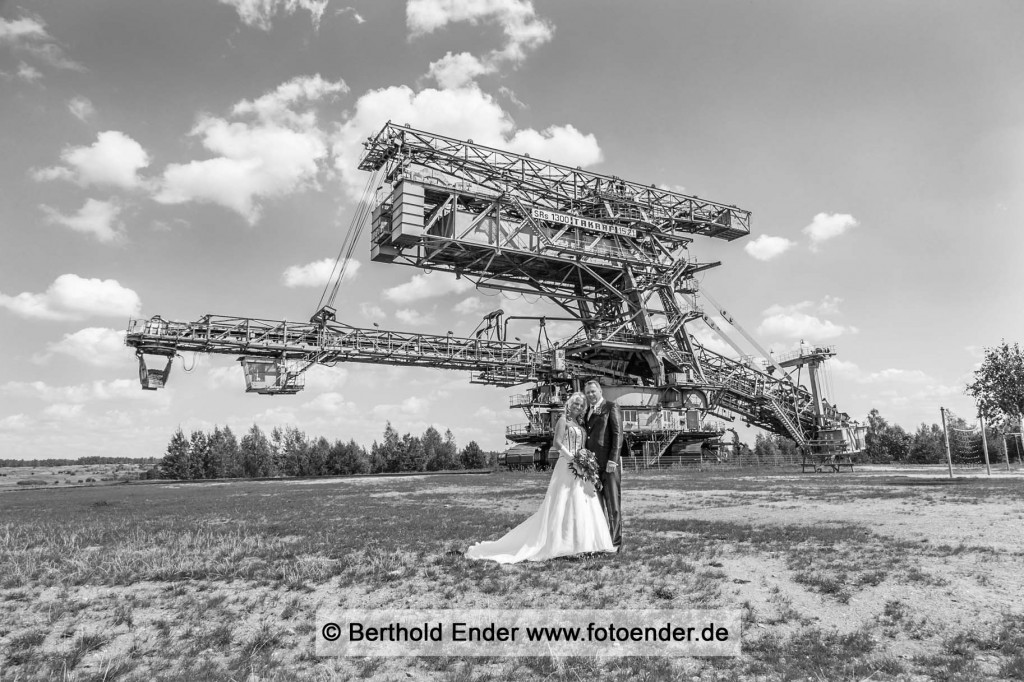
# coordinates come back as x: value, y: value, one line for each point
x: 613, y: 255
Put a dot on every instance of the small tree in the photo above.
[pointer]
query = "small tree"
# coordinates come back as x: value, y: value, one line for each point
x: 472, y: 456
x: 175, y: 463
x: 349, y: 458
x: 199, y: 459
x: 256, y: 454
x: 224, y: 455
x: 998, y: 385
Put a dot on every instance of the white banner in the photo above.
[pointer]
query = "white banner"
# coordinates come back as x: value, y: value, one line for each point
x: 528, y: 632
x: 583, y: 223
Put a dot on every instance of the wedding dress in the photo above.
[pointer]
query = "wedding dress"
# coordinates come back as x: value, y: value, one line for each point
x: 569, y: 521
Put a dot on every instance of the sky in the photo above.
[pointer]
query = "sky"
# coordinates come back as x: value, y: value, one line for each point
x: 186, y: 158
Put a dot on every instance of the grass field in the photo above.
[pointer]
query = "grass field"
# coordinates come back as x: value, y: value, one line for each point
x: 872, y: 575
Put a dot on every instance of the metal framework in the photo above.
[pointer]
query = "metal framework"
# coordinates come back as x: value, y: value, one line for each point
x: 613, y: 254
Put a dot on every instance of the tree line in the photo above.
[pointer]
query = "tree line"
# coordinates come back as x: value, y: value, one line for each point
x: 289, y: 451
x: 90, y: 460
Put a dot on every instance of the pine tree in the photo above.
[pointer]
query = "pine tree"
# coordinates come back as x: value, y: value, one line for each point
x: 450, y: 452
x: 199, y: 461
x: 175, y: 463
x: 257, y: 455
x: 433, y: 455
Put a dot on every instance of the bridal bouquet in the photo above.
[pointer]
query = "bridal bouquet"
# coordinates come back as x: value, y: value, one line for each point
x: 584, y: 467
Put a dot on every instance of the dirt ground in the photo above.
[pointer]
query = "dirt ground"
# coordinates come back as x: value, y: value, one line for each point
x: 950, y: 553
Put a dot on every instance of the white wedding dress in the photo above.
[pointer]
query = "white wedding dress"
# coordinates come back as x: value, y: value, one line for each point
x: 569, y: 521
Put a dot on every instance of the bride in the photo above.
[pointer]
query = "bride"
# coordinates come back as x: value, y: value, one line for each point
x: 570, y: 519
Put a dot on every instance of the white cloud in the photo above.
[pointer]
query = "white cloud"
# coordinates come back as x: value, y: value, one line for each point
x: 463, y: 113
x: 17, y: 30
x: 63, y: 410
x: 277, y: 106
x: 457, y: 70
x: 471, y: 305
x: 426, y: 285
x: 852, y: 372
x: 316, y: 274
x: 220, y: 377
x: 320, y: 378
x: 15, y: 422
x: 98, y: 218
x: 710, y: 339
x: 81, y: 108
x: 374, y: 312
x: 414, y: 318
x: 260, y: 13
x: 114, y: 159
x: 116, y: 389
x: 72, y: 297
x: 351, y: 10
x: 332, y: 403
x: 523, y: 29
x: 29, y: 35
x: 97, y: 346
x: 511, y: 95
x: 413, y: 406
x: 28, y: 73
x: 561, y: 144
x: 794, y: 324
x: 279, y: 153
x: 827, y: 226
x: 903, y: 376
x: 766, y: 247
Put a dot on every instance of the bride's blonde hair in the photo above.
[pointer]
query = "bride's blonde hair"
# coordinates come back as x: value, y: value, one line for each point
x: 576, y: 397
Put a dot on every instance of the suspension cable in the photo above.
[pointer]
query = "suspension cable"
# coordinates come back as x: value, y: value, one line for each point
x: 348, y: 244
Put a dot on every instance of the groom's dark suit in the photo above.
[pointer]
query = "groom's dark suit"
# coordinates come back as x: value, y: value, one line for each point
x: 604, y: 439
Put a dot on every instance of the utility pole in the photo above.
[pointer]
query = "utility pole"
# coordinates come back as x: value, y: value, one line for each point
x: 945, y: 434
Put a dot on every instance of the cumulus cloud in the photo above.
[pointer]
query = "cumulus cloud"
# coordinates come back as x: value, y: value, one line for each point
x: 116, y: 389
x: 427, y: 285
x: 96, y: 346
x: 331, y: 402
x: 852, y: 372
x: 279, y: 151
x: 97, y: 218
x: 795, y: 322
x: 457, y: 70
x: 28, y: 35
x: 374, y: 312
x: 260, y: 13
x: 413, y: 406
x: 114, y: 159
x: 827, y: 226
x: 767, y: 248
x: 81, y: 108
x: 278, y: 106
x: 463, y: 113
x: 471, y: 305
x: 15, y: 422
x: 316, y: 274
x: 523, y: 29
x: 414, y: 318
x: 71, y: 297
x: 29, y: 73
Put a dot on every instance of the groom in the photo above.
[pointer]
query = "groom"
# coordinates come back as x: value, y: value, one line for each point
x: 604, y: 439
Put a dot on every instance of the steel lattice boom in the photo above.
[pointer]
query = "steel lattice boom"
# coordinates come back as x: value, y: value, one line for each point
x: 613, y: 254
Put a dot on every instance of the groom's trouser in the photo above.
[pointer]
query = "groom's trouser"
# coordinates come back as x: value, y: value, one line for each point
x: 611, y: 503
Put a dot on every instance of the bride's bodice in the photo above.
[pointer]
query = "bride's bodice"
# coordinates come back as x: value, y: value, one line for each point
x: 573, y: 438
